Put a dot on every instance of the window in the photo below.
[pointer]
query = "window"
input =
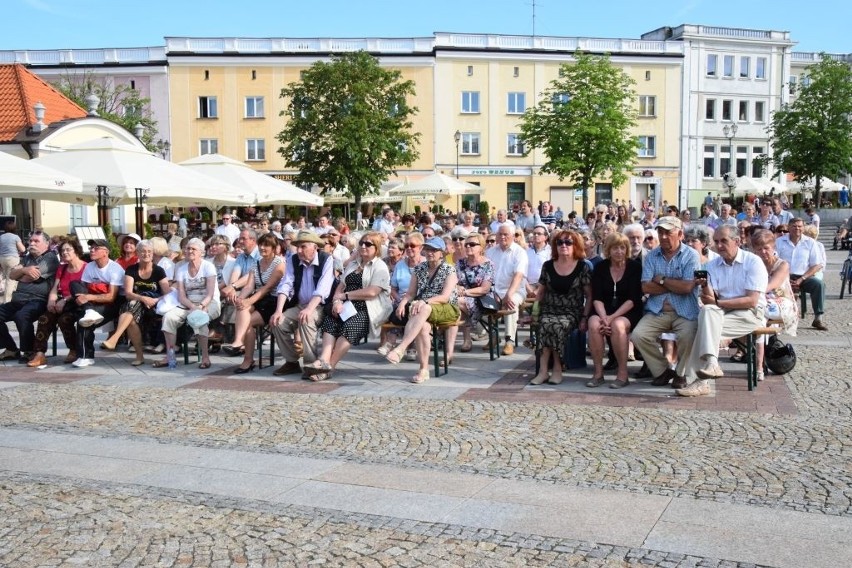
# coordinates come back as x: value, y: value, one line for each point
x: 516, y: 72
x: 756, y: 166
x: 470, y: 143
x: 742, y: 161
x: 805, y: 80
x: 207, y: 107
x: 727, y: 109
x: 647, y: 105
x: 725, y: 160
x: 759, y: 111
x: 517, y: 103
x: 793, y: 80
x: 255, y: 149
x: 709, y: 161
x: 648, y: 146
x: 745, y: 63
x: 515, y: 145
x: 710, y: 109
x: 760, y: 68
x: 254, y: 107
x: 560, y: 99
x: 470, y: 70
x: 78, y: 216
x: 742, y: 115
x: 712, y: 62
x: 208, y: 146
x: 470, y: 101
x: 728, y: 66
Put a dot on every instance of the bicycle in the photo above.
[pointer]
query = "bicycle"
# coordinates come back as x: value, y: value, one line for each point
x: 846, y: 275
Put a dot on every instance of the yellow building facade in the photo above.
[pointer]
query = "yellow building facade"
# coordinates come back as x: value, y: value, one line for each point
x: 225, y: 97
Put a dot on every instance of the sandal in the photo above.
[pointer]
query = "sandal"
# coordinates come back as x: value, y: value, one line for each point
x: 394, y: 356
x: 738, y: 357
x: 420, y: 377
x: 316, y: 368
x: 325, y: 375
x: 204, y: 365
x: 595, y: 382
x: 160, y: 364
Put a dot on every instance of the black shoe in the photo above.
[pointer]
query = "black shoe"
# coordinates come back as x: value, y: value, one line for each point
x: 9, y: 355
x: 611, y: 364
x: 663, y: 379
x: 242, y: 371
x: 288, y: 368
x: 643, y: 373
x: 232, y: 351
x: 678, y: 382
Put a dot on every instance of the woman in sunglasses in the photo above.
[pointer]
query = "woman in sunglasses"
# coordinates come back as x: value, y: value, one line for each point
x: 565, y: 300
x: 364, y: 291
x: 399, y: 281
x: 475, y: 274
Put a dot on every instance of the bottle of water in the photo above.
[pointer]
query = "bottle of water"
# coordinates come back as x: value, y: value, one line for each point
x: 170, y: 357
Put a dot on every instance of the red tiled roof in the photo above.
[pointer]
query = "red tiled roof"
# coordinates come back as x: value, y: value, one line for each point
x: 20, y: 89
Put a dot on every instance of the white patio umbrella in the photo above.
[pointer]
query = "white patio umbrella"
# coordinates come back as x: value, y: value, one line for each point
x: 25, y: 179
x: 747, y: 184
x: 123, y: 168
x: 266, y: 189
x: 825, y: 184
x: 439, y: 185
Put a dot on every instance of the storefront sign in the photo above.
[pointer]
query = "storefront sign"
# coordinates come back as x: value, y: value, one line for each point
x: 495, y: 171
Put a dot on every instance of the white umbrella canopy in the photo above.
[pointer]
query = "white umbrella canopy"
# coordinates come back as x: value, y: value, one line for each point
x: 825, y: 184
x: 747, y: 184
x: 123, y: 167
x: 25, y: 179
x: 438, y: 185
x: 267, y: 190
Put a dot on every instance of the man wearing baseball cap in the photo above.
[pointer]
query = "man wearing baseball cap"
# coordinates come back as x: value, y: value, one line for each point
x: 668, y: 278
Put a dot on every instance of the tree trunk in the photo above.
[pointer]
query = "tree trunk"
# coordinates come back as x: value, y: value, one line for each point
x: 585, y: 199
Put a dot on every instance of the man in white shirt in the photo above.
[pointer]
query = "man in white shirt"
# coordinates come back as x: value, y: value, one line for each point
x: 339, y: 252
x: 734, y: 298
x: 510, y: 269
x: 323, y: 226
x: 805, y: 260
x: 384, y: 224
x: 502, y: 219
x: 537, y: 254
x: 709, y: 217
x: 784, y: 216
x: 228, y: 229
x: 725, y: 217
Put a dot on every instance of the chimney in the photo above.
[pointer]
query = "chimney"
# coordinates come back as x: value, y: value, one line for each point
x: 92, y: 102
x: 39, y: 125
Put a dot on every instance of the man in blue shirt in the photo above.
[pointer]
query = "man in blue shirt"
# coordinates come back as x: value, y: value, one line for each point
x: 668, y: 277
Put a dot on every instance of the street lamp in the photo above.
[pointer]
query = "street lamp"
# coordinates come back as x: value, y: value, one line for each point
x: 141, y: 198
x: 457, y: 138
x: 163, y: 147
x: 103, y: 207
x: 730, y: 177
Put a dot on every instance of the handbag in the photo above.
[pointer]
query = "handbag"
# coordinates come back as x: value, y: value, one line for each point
x: 488, y: 304
x: 574, y: 350
x: 167, y: 303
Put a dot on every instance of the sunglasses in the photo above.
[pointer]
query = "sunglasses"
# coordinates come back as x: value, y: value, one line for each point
x: 367, y: 244
x: 649, y: 238
x: 783, y: 232
x: 412, y: 246
x: 564, y: 242
x: 491, y: 241
x: 458, y: 239
x: 518, y: 235
x: 471, y: 245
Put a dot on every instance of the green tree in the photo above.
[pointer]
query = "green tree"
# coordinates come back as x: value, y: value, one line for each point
x: 812, y: 137
x: 349, y: 125
x: 117, y: 103
x: 584, y: 123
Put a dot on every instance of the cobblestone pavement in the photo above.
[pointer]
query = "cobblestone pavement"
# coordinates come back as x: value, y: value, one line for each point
x: 794, y: 462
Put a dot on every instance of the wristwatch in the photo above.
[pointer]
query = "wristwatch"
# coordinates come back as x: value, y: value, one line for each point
x: 662, y: 280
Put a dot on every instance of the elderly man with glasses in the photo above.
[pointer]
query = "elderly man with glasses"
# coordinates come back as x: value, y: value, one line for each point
x: 537, y: 254
x: 510, y: 273
x: 228, y: 229
x: 29, y: 301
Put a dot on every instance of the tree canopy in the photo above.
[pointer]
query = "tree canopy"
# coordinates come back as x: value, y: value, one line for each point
x: 584, y: 123
x: 349, y: 125
x: 117, y: 103
x: 812, y: 137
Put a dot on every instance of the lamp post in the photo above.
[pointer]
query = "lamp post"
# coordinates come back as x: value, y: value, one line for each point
x: 457, y: 138
x: 730, y: 177
x: 163, y: 147
x: 141, y: 198
x: 103, y: 208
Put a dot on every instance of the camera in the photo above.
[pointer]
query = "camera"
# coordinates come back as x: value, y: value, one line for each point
x: 700, y: 274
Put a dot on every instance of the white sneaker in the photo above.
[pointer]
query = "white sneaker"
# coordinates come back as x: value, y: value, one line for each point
x: 700, y: 387
x: 710, y: 371
x: 83, y: 363
x: 90, y: 318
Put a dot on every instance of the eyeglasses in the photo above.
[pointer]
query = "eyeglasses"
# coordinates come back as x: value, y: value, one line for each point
x: 429, y: 250
x: 471, y: 245
x: 367, y: 244
x: 226, y: 218
x: 539, y: 234
x: 564, y: 243
x: 785, y: 232
x: 458, y: 239
x: 649, y: 238
x: 517, y: 235
x: 412, y: 246
x: 491, y: 241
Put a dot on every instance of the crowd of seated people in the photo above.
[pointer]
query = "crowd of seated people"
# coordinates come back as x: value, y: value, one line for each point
x: 671, y: 286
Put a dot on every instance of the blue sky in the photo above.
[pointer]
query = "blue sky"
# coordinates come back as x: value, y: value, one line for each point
x: 817, y: 25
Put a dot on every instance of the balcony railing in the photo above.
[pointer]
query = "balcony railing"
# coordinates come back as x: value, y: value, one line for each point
x: 120, y: 56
